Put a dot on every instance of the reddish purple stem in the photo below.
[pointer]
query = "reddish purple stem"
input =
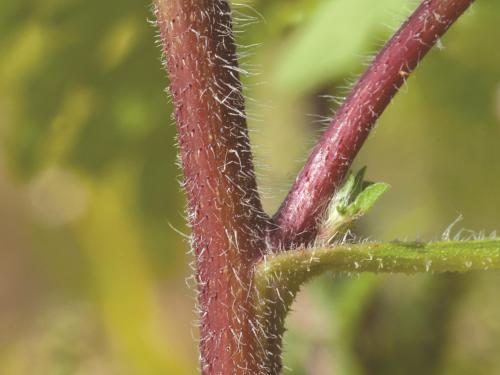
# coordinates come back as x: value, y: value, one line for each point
x: 331, y: 158
x: 225, y: 212
x: 228, y: 224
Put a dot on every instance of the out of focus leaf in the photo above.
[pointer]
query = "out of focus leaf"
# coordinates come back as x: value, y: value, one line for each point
x: 331, y: 42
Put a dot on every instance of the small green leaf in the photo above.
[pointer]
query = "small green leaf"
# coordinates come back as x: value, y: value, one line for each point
x: 351, y: 201
x: 367, y: 199
x: 353, y: 185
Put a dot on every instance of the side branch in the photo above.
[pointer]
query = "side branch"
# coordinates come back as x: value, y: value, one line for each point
x: 326, y: 168
x: 292, y: 268
x: 279, y: 277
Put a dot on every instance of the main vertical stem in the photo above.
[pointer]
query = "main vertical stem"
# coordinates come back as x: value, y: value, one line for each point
x: 224, y: 208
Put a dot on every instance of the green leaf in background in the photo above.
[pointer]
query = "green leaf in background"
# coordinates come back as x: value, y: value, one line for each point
x: 330, y: 44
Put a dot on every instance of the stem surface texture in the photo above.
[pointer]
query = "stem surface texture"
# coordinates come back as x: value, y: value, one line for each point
x: 224, y: 208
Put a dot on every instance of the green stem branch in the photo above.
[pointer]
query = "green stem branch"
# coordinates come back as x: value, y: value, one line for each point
x: 297, y: 266
x: 279, y: 277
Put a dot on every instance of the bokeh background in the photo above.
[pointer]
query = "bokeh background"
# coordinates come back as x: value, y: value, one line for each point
x: 94, y: 266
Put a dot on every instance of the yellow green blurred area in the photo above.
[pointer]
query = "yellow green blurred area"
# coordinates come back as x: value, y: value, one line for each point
x: 94, y: 269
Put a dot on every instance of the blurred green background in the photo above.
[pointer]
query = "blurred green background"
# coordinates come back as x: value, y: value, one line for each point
x: 94, y: 273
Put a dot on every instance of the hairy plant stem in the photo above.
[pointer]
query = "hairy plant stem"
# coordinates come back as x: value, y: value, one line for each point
x: 225, y: 212
x: 241, y: 320
x: 279, y: 277
x: 331, y: 158
x: 293, y: 268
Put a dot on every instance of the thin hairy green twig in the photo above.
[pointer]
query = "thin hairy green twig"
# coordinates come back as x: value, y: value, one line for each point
x: 296, y: 267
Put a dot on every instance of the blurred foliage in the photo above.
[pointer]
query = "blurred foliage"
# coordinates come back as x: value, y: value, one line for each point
x: 92, y: 267
x: 307, y: 52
